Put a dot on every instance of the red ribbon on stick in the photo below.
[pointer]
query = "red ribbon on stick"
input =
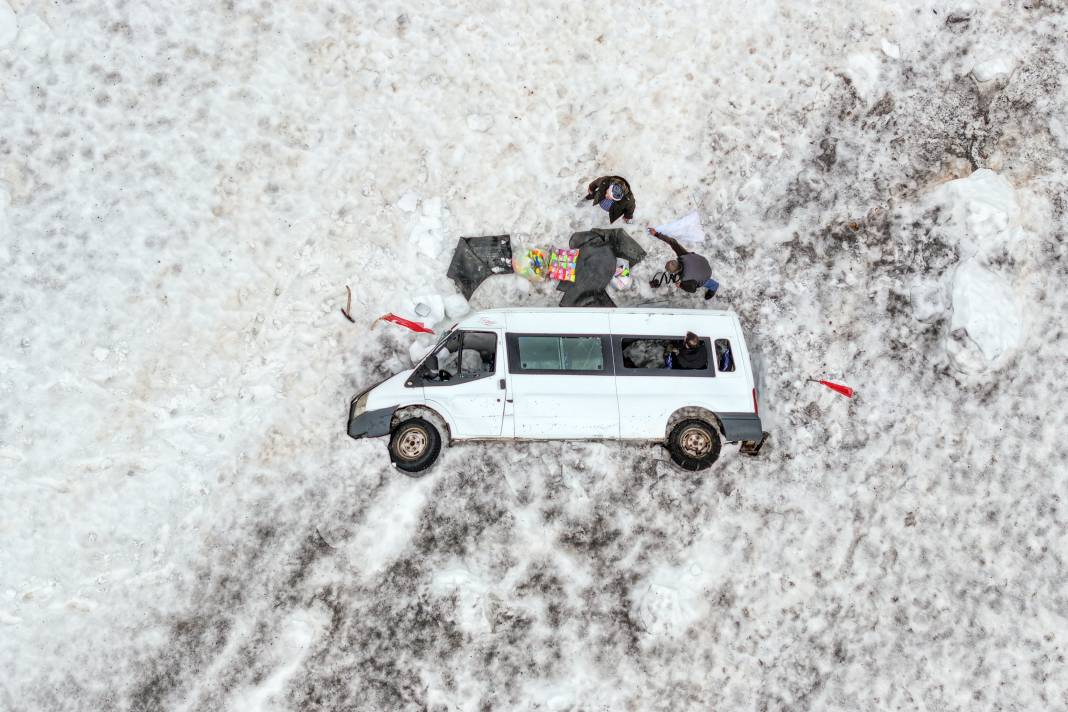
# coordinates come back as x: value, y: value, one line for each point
x: 837, y: 387
x: 406, y: 323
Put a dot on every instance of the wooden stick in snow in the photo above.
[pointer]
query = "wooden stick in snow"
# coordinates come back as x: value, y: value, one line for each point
x: 347, y: 311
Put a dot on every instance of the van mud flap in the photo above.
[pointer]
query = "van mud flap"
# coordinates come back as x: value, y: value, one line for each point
x: 752, y: 447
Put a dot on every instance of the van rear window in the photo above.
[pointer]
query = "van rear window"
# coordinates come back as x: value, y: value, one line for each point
x: 724, y: 356
x: 560, y: 353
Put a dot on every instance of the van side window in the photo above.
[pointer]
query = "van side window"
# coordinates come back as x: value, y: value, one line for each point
x: 724, y: 356
x: 560, y: 353
x: 649, y: 353
x: 464, y: 356
x: 478, y: 356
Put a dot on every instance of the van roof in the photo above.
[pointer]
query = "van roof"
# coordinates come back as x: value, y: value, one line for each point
x: 601, y: 310
x: 500, y: 317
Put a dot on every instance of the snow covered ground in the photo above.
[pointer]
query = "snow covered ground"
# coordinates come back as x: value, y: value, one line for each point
x: 186, y: 189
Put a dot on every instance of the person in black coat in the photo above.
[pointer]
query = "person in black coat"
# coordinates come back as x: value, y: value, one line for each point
x: 612, y: 194
x: 693, y: 354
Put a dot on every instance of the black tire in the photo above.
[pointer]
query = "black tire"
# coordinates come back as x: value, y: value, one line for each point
x: 414, y: 445
x: 694, y: 444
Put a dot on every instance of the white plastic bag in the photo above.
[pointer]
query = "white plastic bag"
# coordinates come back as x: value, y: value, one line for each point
x: 686, y: 229
x: 622, y: 279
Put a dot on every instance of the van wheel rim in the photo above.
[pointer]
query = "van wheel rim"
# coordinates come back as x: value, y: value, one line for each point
x: 412, y: 444
x: 695, y: 442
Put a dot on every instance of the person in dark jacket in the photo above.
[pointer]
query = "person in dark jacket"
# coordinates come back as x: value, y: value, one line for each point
x: 612, y: 194
x: 693, y: 354
x: 690, y: 270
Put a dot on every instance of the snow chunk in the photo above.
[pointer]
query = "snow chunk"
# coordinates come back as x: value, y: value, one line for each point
x: 100, y: 353
x: 986, y: 310
x: 456, y: 306
x: 928, y: 302
x: 420, y: 348
x: 984, y: 204
x: 891, y: 50
x: 671, y: 600
x: 993, y: 68
x: 428, y: 235
x: 427, y: 309
x: 479, y: 122
x: 660, y: 610
x: 9, y: 24
x: 863, y: 70
x: 408, y: 202
x: 986, y: 327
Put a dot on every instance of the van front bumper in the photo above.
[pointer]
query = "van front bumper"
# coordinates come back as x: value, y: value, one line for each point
x: 370, y: 423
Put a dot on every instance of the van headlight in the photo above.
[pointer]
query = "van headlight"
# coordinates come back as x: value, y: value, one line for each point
x: 360, y: 405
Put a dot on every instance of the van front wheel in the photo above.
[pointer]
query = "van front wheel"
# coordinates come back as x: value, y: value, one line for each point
x: 414, y: 445
x: 694, y: 444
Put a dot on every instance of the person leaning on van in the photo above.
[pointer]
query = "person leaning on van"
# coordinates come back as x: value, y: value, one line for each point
x: 691, y: 269
x: 693, y: 353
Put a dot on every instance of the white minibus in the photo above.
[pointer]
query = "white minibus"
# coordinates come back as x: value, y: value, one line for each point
x: 572, y: 374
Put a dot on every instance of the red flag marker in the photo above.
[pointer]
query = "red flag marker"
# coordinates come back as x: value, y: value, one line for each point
x: 407, y: 324
x: 837, y: 387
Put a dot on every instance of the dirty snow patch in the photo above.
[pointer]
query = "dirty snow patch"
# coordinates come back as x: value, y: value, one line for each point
x: 298, y: 635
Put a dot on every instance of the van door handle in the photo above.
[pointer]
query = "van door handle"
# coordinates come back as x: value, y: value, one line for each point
x: 501, y: 384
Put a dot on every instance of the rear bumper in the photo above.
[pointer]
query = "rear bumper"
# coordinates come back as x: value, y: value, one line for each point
x: 370, y: 423
x: 741, y: 426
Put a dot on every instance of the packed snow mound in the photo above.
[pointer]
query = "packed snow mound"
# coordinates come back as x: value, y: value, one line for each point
x: 984, y: 208
x: 988, y: 312
x: 986, y: 327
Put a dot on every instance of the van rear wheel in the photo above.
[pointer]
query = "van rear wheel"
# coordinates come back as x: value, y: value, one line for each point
x: 694, y: 444
x: 414, y: 445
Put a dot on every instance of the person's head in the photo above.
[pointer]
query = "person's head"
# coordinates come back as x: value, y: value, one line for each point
x: 691, y: 340
x: 615, y: 191
x: 672, y: 266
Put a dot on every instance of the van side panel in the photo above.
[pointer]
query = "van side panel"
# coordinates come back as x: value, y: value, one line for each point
x: 646, y: 402
x: 561, y: 405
